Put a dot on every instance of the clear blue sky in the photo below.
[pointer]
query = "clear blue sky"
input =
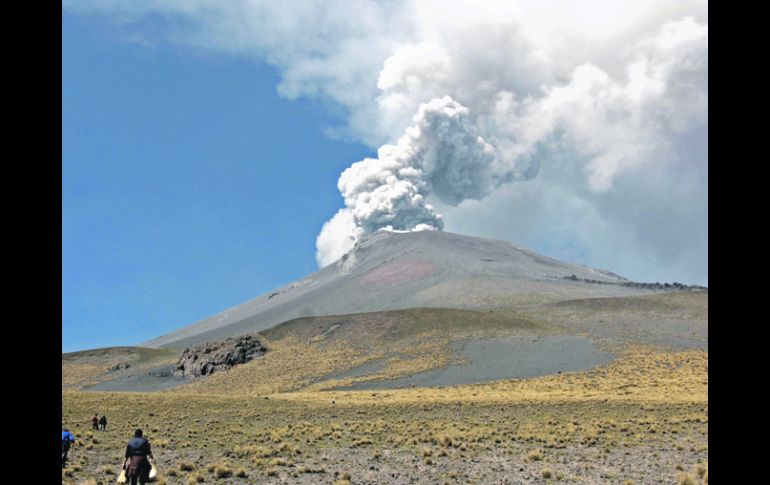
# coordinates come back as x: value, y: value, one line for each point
x: 188, y: 185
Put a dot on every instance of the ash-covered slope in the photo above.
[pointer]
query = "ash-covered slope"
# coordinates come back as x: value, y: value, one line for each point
x: 391, y: 271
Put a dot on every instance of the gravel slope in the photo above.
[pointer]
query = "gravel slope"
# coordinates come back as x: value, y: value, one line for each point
x: 390, y: 271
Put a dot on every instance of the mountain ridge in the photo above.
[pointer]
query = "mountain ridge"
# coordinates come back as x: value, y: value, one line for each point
x: 397, y: 270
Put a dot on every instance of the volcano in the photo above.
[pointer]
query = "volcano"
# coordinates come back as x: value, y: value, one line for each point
x: 401, y: 270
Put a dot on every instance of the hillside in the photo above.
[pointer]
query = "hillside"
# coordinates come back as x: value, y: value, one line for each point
x: 393, y: 271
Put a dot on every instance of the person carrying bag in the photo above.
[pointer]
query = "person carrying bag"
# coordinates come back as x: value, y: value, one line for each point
x: 137, y: 464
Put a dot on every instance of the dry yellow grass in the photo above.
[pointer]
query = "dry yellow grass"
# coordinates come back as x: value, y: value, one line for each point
x: 292, y: 363
x: 647, y: 397
x: 88, y: 367
x: 641, y: 373
x: 74, y: 375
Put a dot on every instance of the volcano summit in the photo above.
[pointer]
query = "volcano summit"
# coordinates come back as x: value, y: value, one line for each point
x: 401, y: 270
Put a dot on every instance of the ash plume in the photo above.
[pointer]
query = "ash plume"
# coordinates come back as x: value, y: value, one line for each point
x: 441, y: 154
x: 602, y: 106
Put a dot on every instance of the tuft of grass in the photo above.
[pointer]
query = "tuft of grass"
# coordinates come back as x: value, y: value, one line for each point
x: 222, y: 471
x: 685, y: 479
x: 195, y: 478
x: 535, y: 455
x: 546, y: 473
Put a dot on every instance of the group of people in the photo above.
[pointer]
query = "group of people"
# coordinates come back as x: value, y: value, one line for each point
x: 99, y: 424
x: 138, y: 454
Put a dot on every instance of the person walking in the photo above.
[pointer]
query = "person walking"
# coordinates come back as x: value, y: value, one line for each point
x: 137, y: 465
x: 67, y: 439
x: 95, y: 422
x: 103, y: 423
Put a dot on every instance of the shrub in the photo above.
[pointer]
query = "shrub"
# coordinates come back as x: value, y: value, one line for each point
x: 535, y: 455
x: 195, y: 478
x: 222, y: 471
x: 685, y: 479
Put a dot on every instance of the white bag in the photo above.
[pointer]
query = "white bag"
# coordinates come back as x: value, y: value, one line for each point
x: 122, y: 477
x: 153, y: 472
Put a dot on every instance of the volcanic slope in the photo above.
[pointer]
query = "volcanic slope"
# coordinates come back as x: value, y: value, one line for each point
x: 426, y: 269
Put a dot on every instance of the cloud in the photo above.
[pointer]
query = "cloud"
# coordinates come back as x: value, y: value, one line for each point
x: 336, y: 238
x: 597, y: 110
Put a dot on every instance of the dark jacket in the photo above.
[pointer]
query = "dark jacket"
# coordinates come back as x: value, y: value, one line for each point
x: 138, y: 447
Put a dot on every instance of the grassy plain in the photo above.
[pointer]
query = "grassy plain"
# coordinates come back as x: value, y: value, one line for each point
x: 640, y: 419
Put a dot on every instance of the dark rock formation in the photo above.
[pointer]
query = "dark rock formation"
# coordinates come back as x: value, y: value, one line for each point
x: 211, y: 357
x: 676, y: 286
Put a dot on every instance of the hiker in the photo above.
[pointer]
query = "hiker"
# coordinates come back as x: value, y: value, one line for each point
x: 103, y: 423
x: 95, y: 421
x: 137, y: 465
x: 67, y: 439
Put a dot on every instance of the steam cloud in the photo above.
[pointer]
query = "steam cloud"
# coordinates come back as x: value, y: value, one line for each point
x: 613, y: 126
x: 601, y: 105
x: 441, y: 154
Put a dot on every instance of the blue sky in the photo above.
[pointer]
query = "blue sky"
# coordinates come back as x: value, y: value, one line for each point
x: 198, y: 174
x: 188, y: 185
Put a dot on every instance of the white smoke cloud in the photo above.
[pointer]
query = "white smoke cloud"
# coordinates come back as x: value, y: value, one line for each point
x: 441, y: 154
x: 337, y: 237
x: 602, y: 105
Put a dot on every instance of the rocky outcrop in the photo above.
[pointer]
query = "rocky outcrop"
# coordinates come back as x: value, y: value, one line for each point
x: 644, y: 286
x: 213, y: 357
